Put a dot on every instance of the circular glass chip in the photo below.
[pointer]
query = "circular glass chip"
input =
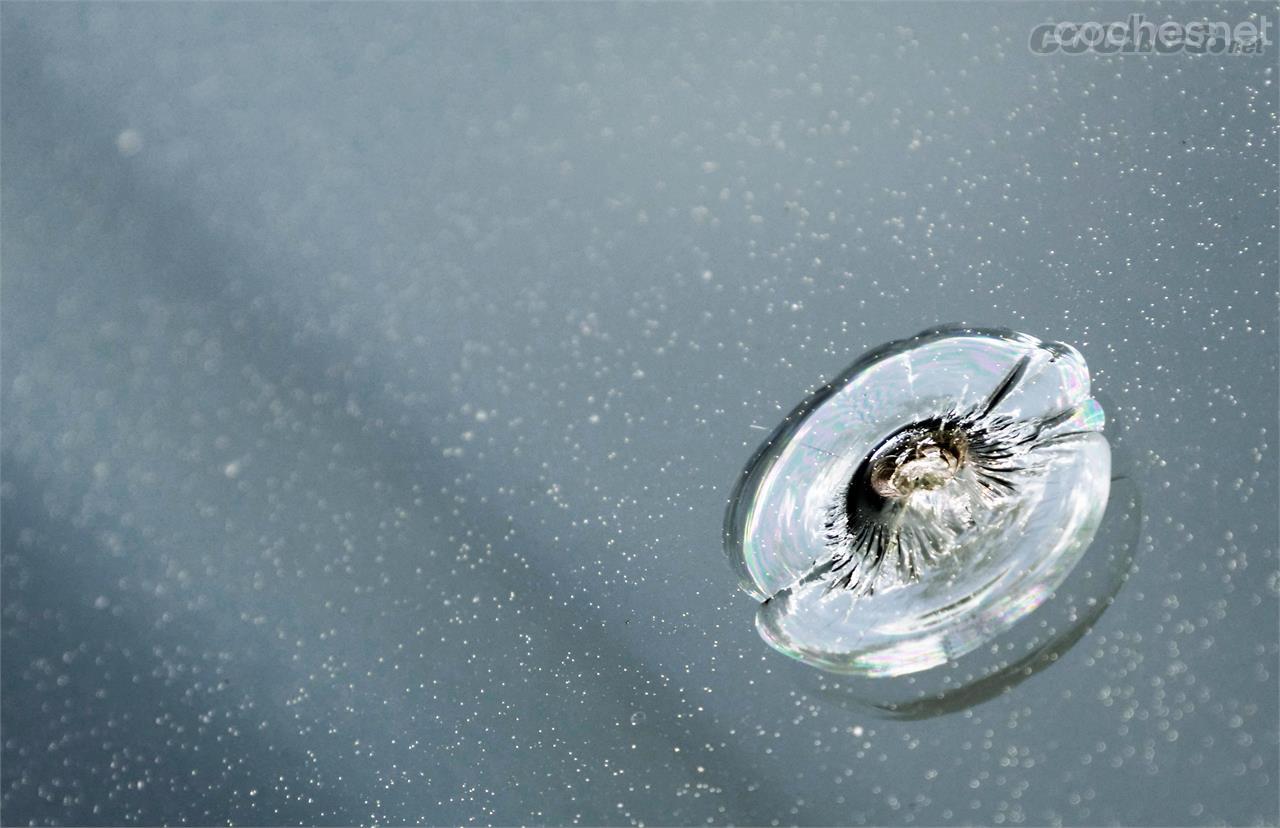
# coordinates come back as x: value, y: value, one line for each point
x: 936, y: 492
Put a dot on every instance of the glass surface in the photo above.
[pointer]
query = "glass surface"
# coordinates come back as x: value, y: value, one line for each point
x: 376, y: 377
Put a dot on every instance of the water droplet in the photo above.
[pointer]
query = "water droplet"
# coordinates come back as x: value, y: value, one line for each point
x: 921, y: 503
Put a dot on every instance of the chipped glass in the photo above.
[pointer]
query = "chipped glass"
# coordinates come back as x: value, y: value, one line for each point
x: 923, y: 502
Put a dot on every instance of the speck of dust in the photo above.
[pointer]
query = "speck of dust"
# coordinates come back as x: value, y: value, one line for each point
x: 129, y: 142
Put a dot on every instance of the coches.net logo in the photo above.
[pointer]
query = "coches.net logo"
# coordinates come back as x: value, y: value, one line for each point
x: 1135, y: 35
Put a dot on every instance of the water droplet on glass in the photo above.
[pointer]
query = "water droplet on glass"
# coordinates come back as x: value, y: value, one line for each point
x: 921, y: 503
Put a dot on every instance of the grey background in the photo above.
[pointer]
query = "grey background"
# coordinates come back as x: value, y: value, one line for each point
x: 374, y: 377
